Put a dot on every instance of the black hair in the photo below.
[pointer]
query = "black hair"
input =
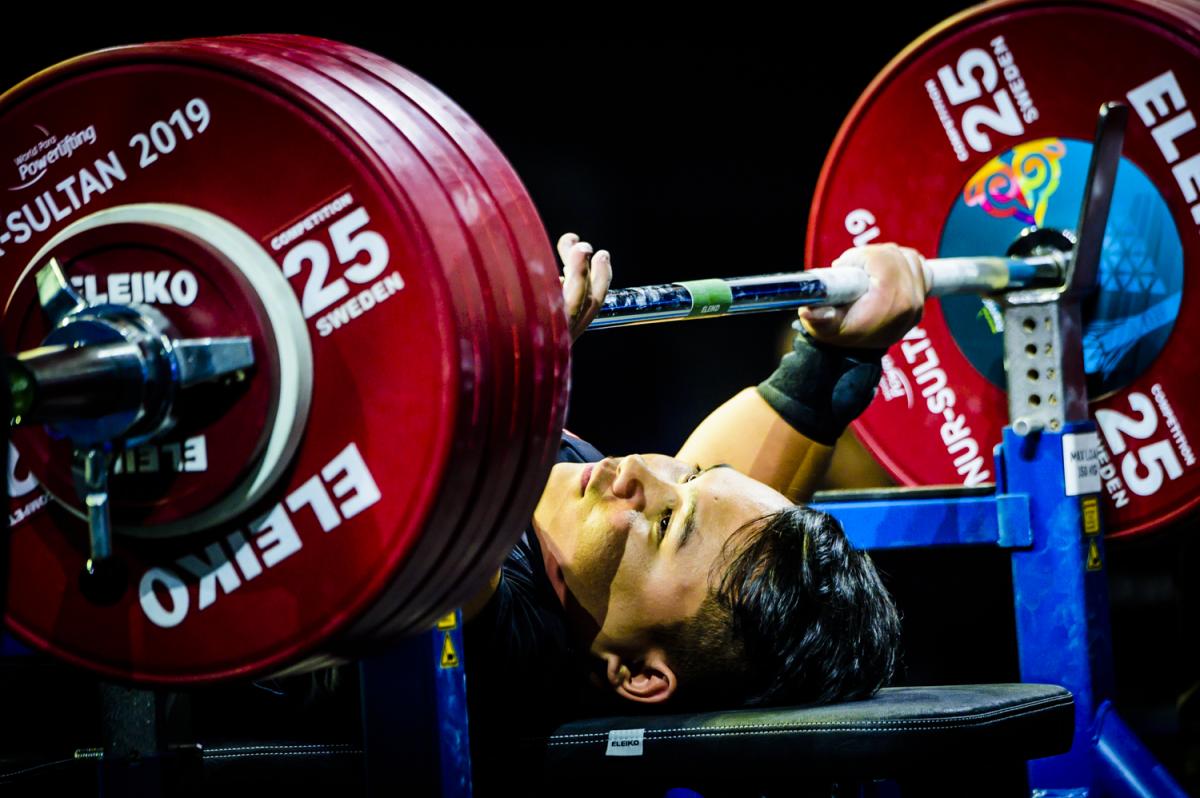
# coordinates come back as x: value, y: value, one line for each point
x: 794, y: 615
x: 808, y: 611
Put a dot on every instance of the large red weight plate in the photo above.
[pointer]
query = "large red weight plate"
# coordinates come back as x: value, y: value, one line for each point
x: 982, y: 128
x: 546, y: 370
x: 512, y: 324
x: 388, y: 376
x: 488, y: 183
x: 461, y: 515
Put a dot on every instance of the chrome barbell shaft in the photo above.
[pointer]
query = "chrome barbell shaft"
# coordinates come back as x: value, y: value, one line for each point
x: 841, y: 286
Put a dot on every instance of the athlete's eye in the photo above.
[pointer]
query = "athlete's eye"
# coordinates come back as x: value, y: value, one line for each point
x: 663, y: 524
x: 665, y: 521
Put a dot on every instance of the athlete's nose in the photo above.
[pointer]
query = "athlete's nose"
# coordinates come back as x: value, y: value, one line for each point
x: 635, y: 479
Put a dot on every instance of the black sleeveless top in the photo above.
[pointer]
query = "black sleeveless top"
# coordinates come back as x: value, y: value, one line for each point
x: 524, y: 674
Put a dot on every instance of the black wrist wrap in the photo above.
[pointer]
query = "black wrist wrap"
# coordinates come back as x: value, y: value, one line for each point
x: 819, y: 389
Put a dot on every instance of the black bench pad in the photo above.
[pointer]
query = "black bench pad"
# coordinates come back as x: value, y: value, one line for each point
x: 899, y: 730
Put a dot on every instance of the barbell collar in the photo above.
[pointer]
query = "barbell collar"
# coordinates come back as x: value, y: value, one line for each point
x: 207, y: 359
x: 61, y: 383
x: 55, y: 294
x: 93, y: 466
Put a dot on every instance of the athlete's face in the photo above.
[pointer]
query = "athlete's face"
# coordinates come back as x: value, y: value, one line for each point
x: 636, y: 539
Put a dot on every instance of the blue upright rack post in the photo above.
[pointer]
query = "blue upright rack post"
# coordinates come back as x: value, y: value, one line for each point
x: 415, y: 733
x: 1059, y: 590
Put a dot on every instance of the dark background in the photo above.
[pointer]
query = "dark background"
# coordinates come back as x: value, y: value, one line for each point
x: 695, y: 155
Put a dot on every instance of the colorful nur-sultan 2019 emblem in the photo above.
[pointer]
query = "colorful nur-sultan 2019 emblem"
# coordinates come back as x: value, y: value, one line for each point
x: 1040, y: 183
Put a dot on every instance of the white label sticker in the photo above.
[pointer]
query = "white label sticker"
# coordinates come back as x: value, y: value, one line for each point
x: 1081, y: 463
x: 625, y: 742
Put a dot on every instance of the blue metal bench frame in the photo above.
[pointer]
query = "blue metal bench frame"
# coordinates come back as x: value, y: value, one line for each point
x: 1060, y: 598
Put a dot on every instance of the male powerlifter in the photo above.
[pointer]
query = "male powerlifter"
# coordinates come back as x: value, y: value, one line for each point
x: 694, y: 580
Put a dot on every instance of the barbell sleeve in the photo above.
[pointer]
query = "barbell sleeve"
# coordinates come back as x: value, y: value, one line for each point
x: 841, y: 286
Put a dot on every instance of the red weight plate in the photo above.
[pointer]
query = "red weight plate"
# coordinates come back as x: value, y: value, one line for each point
x: 409, y: 161
x: 481, y: 220
x: 386, y: 341
x: 455, y: 502
x: 539, y: 273
x: 420, y: 591
x: 505, y: 532
x: 983, y: 128
x: 536, y: 399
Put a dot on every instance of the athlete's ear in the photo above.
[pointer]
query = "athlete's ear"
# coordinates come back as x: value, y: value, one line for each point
x: 648, y: 679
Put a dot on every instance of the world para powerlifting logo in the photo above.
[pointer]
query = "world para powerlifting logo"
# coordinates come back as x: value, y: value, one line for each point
x: 33, y: 164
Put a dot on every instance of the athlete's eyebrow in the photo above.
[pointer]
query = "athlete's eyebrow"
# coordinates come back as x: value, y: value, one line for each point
x: 689, y: 519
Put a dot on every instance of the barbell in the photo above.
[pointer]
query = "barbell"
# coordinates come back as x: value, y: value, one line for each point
x: 367, y: 306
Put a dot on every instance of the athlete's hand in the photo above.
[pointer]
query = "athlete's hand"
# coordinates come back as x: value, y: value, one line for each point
x: 889, y: 309
x: 586, y: 277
